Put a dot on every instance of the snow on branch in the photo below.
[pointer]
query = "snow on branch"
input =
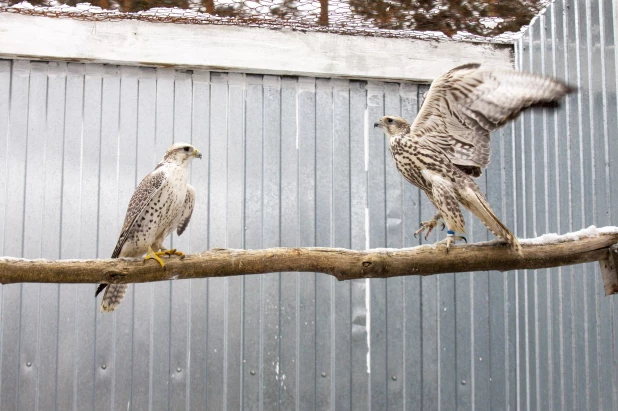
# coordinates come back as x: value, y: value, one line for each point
x: 550, y: 250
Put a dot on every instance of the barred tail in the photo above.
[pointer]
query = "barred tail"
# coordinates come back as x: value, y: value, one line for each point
x: 112, y: 297
x: 477, y: 203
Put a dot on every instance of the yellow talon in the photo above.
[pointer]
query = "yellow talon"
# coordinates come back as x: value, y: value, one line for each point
x: 155, y: 256
x: 173, y: 251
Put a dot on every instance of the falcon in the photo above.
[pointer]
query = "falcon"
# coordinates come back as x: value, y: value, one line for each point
x: 162, y: 202
x: 449, y: 142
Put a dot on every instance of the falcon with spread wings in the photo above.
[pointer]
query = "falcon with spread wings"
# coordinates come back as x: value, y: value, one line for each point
x: 162, y: 202
x: 449, y: 141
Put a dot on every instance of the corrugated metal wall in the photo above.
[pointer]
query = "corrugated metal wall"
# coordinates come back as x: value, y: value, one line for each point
x: 293, y: 161
x: 569, y: 162
x: 288, y: 161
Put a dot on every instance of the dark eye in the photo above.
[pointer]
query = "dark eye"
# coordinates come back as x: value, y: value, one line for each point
x: 389, y: 120
x: 187, y: 148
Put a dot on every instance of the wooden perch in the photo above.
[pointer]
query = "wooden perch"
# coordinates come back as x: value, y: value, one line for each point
x: 609, y: 271
x: 551, y: 250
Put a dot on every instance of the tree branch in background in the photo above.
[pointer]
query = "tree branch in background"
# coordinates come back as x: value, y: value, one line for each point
x: 479, y: 17
x: 543, y: 252
x: 323, y: 12
x: 209, y: 5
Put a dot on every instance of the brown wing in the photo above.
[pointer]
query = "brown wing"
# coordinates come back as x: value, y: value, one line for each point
x: 467, y: 103
x: 187, y: 210
x: 144, y: 192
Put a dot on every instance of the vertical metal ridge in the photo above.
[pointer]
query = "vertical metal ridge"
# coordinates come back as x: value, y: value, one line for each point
x: 298, y: 241
x: 612, y: 12
x: 559, y: 271
x: 533, y: 294
x: 208, y: 236
x: 5, y: 67
x: 206, y: 397
x: 135, y: 177
x: 591, y: 329
x: 333, y: 238
x: 60, y: 236
x: 579, y: 323
x: 25, y: 183
x: 81, y: 176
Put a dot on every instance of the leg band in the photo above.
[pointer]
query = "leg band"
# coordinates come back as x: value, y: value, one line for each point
x: 450, y: 233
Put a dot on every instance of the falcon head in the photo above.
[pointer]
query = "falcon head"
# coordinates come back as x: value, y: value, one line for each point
x: 181, y: 154
x: 393, y: 126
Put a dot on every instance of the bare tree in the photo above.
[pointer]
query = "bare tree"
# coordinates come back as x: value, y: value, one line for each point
x: 449, y: 16
x: 480, y: 17
x: 285, y: 9
x: 209, y: 5
x: 323, y: 12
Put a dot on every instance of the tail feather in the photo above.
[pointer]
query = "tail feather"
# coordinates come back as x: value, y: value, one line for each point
x: 112, y: 297
x: 477, y: 203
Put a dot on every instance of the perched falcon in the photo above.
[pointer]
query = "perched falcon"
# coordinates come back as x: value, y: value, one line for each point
x: 162, y: 202
x: 449, y: 141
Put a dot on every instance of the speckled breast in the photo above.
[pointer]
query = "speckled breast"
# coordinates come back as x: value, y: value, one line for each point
x: 404, y: 153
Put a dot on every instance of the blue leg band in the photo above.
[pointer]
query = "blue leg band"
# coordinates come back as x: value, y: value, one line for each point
x: 450, y: 232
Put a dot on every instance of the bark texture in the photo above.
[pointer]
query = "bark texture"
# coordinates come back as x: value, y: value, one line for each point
x: 341, y: 263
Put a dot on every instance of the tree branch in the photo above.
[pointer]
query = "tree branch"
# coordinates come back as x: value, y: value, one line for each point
x: 551, y: 250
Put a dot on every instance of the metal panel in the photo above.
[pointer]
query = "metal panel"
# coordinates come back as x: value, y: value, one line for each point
x: 49, y: 299
x: 324, y: 285
x: 359, y: 293
x: 290, y: 221
x: 567, y: 321
x: 341, y: 302
x: 274, y: 373
x: 294, y: 161
x: 198, y: 327
x: 143, y: 319
x: 306, y: 289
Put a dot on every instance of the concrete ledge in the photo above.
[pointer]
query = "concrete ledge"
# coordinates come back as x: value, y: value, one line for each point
x: 232, y: 48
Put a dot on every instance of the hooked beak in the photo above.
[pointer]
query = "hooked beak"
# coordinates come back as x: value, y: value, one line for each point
x: 197, y: 154
x: 377, y: 125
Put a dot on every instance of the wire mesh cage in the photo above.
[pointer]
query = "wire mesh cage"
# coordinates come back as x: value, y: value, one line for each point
x: 482, y: 20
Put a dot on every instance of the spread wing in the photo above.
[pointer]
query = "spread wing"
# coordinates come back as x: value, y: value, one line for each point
x: 187, y: 210
x: 145, y: 191
x: 467, y: 103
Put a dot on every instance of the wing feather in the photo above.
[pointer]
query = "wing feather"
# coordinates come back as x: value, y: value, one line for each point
x: 187, y: 210
x: 464, y: 105
x: 144, y: 192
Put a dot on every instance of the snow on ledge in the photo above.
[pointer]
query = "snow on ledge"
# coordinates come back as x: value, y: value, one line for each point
x: 151, y: 38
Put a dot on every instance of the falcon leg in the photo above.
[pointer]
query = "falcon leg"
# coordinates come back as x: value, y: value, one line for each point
x: 429, y: 226
x: 451, y: 238
x: 170, y: 252
x: 152, y: 255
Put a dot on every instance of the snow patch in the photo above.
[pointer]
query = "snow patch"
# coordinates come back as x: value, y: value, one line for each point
x: 553, y: 238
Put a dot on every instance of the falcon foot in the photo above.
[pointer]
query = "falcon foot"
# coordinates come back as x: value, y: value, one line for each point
x: 152, y: 255
x: 451, y: 238
x: 429, y: 226
x: 171, y: 252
